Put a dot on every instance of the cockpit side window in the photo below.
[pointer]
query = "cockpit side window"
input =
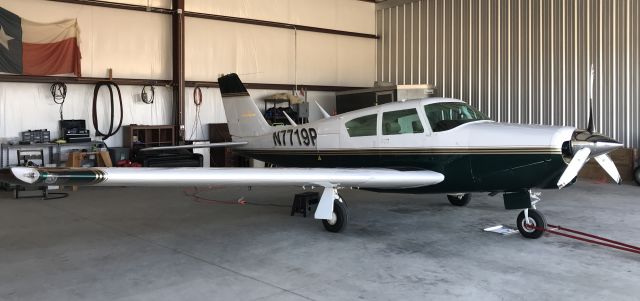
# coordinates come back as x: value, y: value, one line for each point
x: 362, y: 126
x: 401, y: 122
x: 444, y: 116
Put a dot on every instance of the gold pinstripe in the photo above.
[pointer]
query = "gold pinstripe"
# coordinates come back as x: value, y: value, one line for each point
x: 405, y: 151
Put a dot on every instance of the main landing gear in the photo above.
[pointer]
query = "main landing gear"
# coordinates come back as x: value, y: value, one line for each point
x: 340, y: 217
x: 460, y: 199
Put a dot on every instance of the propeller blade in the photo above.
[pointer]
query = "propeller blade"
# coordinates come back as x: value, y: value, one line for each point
x: 590, y: 122
x: 590, y: 128
x: 579, y: 159
x: 608, y: 166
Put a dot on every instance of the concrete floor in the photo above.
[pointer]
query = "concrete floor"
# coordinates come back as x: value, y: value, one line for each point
x: 158, y: 244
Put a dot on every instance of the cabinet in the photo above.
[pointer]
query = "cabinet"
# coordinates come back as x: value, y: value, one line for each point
x: 224, y: 156
x: 136, y: 137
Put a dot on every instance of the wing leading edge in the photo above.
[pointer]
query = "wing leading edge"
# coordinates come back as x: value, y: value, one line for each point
x: 329, y: 178
x: 337, y: 177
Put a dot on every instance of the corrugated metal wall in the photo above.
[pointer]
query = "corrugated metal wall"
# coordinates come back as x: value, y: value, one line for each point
x: 521, y: 61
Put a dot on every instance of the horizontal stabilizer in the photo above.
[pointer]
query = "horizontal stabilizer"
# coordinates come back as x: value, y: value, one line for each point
x: 191, y: 146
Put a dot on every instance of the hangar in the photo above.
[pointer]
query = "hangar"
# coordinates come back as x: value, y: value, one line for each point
x: 319, y: 150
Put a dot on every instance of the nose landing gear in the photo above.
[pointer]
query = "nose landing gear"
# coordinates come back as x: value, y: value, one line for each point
x: 531, y: 223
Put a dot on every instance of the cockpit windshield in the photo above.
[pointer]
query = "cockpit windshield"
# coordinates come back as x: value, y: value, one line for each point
x: 444, y: 116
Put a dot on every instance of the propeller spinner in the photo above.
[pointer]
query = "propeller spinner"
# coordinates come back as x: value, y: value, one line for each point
x: 586, y: 144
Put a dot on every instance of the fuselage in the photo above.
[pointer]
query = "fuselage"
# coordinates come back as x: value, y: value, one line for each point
x: 473, y: 155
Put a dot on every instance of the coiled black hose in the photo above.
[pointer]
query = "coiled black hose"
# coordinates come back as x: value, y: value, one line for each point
x: 111, y: 131
x: 59, y: 93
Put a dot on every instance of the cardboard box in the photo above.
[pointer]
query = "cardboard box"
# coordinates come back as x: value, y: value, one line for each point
x: 625, y: 159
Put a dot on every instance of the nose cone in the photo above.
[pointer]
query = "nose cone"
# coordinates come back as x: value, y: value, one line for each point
x: 598, y: 144
x: 604, y: 147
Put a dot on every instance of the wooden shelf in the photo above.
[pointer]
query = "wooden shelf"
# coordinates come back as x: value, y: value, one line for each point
x: 140, y: 136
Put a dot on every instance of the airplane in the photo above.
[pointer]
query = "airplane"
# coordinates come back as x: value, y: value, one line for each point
x: 431, y: 145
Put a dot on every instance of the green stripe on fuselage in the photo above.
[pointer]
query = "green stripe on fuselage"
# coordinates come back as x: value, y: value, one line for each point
x: 464, y: 172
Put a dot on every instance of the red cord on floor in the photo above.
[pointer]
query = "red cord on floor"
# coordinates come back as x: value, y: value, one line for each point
x: 598, y: 240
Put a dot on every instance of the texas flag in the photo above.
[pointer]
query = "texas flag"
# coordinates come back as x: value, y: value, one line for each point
x: 32, y: 48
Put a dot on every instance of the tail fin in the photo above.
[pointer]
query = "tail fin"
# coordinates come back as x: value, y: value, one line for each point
x: 243, y: 116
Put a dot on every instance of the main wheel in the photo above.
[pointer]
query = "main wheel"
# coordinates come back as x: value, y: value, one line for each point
x: 534, y: 227
x: 637, y: 175
x: 340, y: 217
x: 459, y: 199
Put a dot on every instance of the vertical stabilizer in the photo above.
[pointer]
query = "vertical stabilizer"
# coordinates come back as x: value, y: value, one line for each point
x: 243, y: 116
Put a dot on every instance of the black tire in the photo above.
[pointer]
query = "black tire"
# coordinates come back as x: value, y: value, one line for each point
x: 539, y: 222
x: 459, y: 200
x: 637, y: 175
x: 341, y: 217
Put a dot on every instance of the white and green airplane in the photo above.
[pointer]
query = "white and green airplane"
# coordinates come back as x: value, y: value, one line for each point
x: 433, y: 145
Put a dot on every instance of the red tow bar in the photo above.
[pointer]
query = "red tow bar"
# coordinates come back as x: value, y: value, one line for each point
x: 594, y: 239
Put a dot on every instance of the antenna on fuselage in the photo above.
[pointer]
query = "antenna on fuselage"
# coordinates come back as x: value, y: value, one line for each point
x: 289, y: 118
x: 324, y: 113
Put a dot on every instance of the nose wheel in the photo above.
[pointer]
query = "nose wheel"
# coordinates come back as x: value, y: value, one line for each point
x: 340, y: 218
x: 531, y: 223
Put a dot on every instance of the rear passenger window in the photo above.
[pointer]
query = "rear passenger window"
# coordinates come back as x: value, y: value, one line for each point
x: 362, y: 126
x: 401, y: 122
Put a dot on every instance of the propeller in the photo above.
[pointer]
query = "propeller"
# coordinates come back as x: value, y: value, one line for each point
x: 586, y: 145
x: 576, y: 164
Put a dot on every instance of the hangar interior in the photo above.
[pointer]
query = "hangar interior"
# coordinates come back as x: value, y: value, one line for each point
x: 156, y: 67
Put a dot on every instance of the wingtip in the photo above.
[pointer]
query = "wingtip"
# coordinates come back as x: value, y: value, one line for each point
x: 22, y: 175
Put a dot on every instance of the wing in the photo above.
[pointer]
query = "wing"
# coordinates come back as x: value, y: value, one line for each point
x: 329, y: 178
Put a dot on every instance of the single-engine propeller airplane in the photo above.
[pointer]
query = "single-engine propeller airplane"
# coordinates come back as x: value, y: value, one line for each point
x: 434, y: 145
